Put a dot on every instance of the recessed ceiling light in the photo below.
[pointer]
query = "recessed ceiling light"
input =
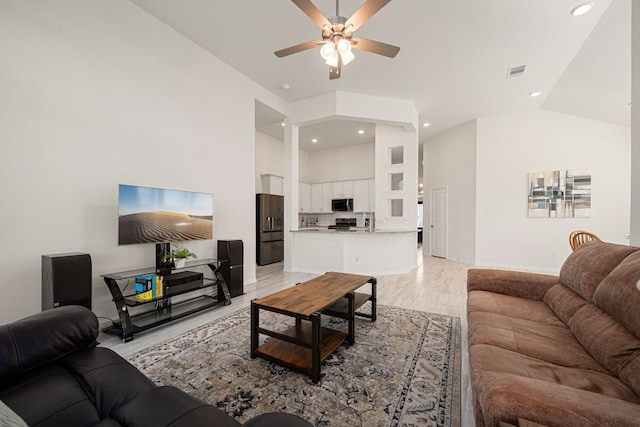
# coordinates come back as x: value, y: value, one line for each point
x: 286, y: 86
x: 360, y: 131
x: 426, y: 125
x: 534, y: 94
x: 314, y: 140
x: 282, y: 124
x: 581, y: 9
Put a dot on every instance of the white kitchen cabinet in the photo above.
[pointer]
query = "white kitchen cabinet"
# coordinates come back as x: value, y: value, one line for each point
x: 342, y: 190
x: 326, y: 197
x: 363, y: 195
x: 272, y: 184
x: 321, y: 195
x: 304, y: 197
x: 372, y: 195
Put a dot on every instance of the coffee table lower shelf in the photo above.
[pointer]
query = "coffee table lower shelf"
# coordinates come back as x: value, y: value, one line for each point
x: 341, y: 307
x: 295, y: 356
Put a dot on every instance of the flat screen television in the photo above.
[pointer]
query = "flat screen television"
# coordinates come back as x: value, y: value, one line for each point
x: 158, y: 215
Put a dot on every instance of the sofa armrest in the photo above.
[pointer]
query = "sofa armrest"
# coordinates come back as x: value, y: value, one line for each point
x: 44, y: 337
x: 508, y: 282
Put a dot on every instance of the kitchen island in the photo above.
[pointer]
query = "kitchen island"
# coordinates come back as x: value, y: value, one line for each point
x: 356, y: 250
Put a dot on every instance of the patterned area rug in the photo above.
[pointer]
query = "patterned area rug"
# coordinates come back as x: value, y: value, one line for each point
x: 403, y: 370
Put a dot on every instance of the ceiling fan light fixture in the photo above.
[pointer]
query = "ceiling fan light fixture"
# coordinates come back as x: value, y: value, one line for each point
x: 343, y: 46
x: 347, y: 57
x: 327, y: 51
x: 332, y: 61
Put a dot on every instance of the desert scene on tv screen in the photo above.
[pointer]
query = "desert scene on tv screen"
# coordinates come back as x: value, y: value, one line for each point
x: 156, y: 215
x: 151, y: 227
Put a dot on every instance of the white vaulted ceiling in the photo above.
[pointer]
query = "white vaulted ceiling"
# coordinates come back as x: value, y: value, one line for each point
x: 453, y: 60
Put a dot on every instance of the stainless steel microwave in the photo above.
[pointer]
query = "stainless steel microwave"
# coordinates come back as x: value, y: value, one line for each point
x: 342, y: 205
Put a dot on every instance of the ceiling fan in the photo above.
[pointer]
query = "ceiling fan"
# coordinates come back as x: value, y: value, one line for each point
x: 337, y: 33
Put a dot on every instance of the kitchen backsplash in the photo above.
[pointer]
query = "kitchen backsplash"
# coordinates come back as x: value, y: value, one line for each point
x: 325, y: 220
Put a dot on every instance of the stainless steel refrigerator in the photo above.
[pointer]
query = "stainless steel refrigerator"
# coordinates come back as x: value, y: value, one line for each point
x: 269, y: 228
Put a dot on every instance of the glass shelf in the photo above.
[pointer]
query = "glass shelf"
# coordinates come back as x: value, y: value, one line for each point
x: 173, y: 291
x: 122, y: 275
x: 148, y: 320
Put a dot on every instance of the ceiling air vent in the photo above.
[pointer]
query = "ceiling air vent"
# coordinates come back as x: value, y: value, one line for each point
x: 516, y: 71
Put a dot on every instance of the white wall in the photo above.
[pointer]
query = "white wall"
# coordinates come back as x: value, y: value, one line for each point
x: 354, y: 162
x: 269, y: 158
x: 341, y: 164
x: 450, y: 162
x: 304, y: 166
x: 98, y: 93
x: 635, y: 124
x: 510, y: 146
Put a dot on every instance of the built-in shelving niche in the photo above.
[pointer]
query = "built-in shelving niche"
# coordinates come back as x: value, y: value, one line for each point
x: 395, y: 183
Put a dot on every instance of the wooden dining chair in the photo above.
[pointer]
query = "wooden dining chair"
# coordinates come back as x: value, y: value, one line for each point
x: 578, y: 237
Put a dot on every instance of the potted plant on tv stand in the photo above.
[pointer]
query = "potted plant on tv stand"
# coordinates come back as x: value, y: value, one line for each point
x: 179, y: 256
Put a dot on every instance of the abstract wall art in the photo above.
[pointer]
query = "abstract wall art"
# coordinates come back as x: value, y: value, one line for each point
x: 560, y: 194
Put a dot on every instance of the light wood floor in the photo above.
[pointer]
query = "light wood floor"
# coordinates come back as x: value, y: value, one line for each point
x: 437, y: 286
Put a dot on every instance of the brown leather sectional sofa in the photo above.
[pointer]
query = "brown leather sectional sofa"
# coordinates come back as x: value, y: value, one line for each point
x: 558, y: 350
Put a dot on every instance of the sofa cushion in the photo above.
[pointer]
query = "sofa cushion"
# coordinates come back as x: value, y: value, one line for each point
x: 169, y: 406
x: 563, y: 302
x: 554, y: 344
x: 618, y: 295
x: 51, y: 396
x: 271, y: 419
x: 511, y: 306
x: 101, y: 372
x: 505, y: 397
x: 630, y: 373
x: 486, y: 358
x: 589, y: 264
x: 610, y: 343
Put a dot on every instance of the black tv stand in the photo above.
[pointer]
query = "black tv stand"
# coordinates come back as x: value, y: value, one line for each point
x: 163, y: 309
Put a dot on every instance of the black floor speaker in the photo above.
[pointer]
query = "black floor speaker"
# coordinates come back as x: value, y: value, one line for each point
x: 233, y: 270
x: 66, y: 280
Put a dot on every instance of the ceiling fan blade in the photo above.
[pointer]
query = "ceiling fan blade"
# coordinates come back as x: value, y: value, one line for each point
x: 313, y: 12
x: 375, y: 47
x: 362, y: 15
x: 297, y: 48
x: 336, y: 72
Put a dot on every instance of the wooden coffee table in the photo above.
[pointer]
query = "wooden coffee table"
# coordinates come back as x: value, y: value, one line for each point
x: 305, y: 345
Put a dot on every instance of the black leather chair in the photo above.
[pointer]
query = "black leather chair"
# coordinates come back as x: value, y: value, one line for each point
x: 53, y: 374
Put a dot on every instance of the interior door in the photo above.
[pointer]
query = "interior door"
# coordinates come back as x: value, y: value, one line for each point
x: 438, y: 226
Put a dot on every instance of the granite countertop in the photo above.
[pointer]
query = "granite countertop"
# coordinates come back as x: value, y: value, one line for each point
x: 352, y: 230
